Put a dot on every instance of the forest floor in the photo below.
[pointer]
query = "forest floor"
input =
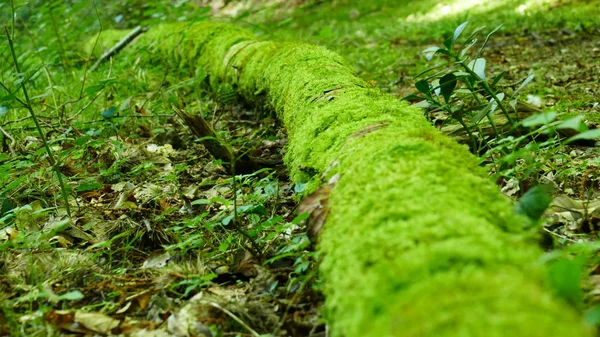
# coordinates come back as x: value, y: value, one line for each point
x: 164, y: 241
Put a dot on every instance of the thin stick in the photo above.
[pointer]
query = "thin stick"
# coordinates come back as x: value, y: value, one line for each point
x: 235, y: 318
x: 11, y: 147
x: 120, y: 45
x: 53, y: 162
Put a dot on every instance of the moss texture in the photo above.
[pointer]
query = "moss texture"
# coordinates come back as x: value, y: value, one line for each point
x: 418, y: 241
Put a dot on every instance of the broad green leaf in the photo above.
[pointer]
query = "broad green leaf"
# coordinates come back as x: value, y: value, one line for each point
x: 543, y: 118
x: 478, y: 67
x: 252, y: 209
x: 589, y: 134
x: 109, y: 113
x: 5, y: 206
x: 423, y: 86
x: 71, y: 296
x: 82, y: 140
x: 125, y: 104
x: 534, y: 203
x: 459, y: 30
x: 494, y: 103
x: 430, y: 52
x: 422, y: 104
x: 575, y: 123
x: 448, y: 43
x: 564, y: 276
x: 88, y: 186
x: 482, y: 113
x: 435, y: 84
x: 201, y: 202
x: 93, y: 89
x: 447, y: 85
x: 592, y: 316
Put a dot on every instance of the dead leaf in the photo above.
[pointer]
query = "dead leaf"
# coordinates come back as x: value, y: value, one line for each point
x: 96, y: 322
x: 316, y: 205
x: 82, y: 322
x: 245, y: 264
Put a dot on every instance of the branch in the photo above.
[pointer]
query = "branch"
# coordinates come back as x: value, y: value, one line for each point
x: 119, y: 46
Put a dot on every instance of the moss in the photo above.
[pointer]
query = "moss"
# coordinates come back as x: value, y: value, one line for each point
x: 418, y: 241
x: 107, y: 40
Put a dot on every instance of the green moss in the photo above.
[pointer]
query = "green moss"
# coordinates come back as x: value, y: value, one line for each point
x: 107, y: 40
x: 418, y: 241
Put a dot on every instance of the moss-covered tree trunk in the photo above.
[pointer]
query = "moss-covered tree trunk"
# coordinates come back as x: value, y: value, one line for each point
x: 418, y: 241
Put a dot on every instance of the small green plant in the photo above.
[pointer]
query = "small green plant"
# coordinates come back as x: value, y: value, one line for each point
x: 477, y: 98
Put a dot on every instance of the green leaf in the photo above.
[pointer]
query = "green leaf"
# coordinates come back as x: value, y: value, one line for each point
x: 448, y: 43
x: 82, y: 140
x: 109, y: 113
x: 525, y: 82
x: 93, y: 89
x: 592, y: 316
x: 253, y: 209
x: 494, y: 103
x: 564, y: 276
x: 478, y: 67
x: 534, y: 203
x: 497, y: 79
x: 589, y: 134
x: 3, y: 111
x: 88, y: 186
x: 5, y: 206
x: 466, y: 48
x: 482, y: 113
x: 71, y: 296
x: 543, y: 118
x: 487, y: 38
x: 423, y: 86
x: 459, y: 30
x: 475, y: 32
x: 412, y: 97
x: 201, y: 202
x: 430, y: 52
x: 447, y: 85
x: 575, y: 123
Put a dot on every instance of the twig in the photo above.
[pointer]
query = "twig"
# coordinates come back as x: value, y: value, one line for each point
x: 235, y: 318
x: 119, y: 46
x: 558, y: 235
x: 17, y: 120
x: 10, y: 92
x: 11, y: 147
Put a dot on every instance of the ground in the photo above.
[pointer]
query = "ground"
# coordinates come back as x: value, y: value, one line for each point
x: 158, y: 226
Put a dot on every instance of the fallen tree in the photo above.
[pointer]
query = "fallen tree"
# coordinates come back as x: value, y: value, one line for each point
x: 418, y: 242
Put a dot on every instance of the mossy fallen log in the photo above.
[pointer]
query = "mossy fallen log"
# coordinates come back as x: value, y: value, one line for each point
x: 418, y: 242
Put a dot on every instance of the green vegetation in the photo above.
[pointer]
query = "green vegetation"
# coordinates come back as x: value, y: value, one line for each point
x: 160, y: 231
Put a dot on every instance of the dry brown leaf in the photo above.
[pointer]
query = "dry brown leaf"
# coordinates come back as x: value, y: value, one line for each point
x: 96, y: 322
x: 316, y: 204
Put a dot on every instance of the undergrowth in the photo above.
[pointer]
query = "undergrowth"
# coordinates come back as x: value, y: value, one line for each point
x: 154, y: 221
